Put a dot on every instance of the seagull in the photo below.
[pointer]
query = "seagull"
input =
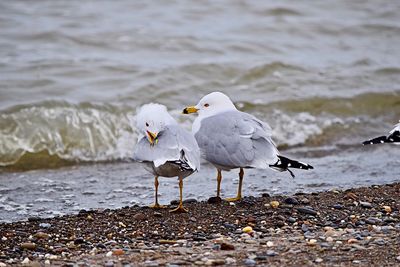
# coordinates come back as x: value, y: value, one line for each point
x: 393, y: 137
x: 164, y: 148
x: 230, y: 139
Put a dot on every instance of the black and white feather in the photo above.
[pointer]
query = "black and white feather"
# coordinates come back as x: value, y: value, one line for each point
x: 229, y: 138
x: 393, y: 137
x: 174, y: 152
x: 284, y: 164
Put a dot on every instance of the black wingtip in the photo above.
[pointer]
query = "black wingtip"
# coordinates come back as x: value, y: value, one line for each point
x: 284, y: 164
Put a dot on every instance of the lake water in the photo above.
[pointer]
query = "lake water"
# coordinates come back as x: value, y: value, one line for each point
x: 324, y: 74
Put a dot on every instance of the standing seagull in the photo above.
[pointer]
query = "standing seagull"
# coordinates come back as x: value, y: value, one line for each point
x: 230, y: 139
x: 164, y: 148
x: 393, y: 137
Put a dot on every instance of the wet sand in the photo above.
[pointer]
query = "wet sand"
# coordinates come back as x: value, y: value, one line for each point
x: 359, y: 227
x: 56, y: 192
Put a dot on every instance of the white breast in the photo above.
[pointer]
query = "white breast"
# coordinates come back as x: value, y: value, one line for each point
x: 196, y: 125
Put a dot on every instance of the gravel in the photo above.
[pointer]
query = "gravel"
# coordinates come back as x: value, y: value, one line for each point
x: 303, y: 230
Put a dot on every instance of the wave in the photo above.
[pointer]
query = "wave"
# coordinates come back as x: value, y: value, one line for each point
x: 264, y: 70
x: 64, y: 131
x: 279, y: 11
x: 53, y: 133
x: 388, y: 71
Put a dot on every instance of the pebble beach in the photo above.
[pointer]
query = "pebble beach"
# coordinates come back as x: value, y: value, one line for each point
x: 354, y: 227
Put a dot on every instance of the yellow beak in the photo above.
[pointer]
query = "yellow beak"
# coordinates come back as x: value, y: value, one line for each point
x: 189, y: 110
x: 152, y: 137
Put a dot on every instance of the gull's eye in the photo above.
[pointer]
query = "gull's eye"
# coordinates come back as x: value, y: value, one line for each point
x: 206, y: 105
x: 147, y: 125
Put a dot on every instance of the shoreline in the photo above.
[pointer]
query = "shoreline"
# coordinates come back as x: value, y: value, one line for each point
x: 359, y: 227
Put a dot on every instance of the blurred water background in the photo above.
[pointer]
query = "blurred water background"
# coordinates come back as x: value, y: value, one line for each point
x: 324, y: 74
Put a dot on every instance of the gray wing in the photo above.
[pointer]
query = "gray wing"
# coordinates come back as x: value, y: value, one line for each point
x: 174, y: 144
x: 236, y: 139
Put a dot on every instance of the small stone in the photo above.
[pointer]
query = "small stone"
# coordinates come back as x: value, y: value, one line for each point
x: 157, y: 214
x: 28, y: 245
x: 109, y: 254
x: 51, y: 256
x: 216, y: 247
x: 358, y: 247
x: 365, y: 204
x: 199, y: 238
x: 352, y: 196
x: 305, y: 201
x: 215, y: 262
x: 164, y: 241
x: 79, y: 241
x: 356, y: 261
x: 118, y: 252
x: 318, y: 260
x: 249, y: 262
x: 261, y: 257
x: 33, y: 219
x: 139, y: 216
x: 274, y: 204
x: 372, y: 221
x: 388, y: 209
x: 44, y: 225
x: 2, y: 264
x: 174, y: 202
x: 230, y: 261
x: 190, y: 200
x: 109, y: 264
x: 291, y: 220
x: 312, y: 242
x: 25, y: 261
x: 334, y: 233
x: 398, y: 258
x: 251, y: 219
x: 387, y: 229
x: 214, y: 200
x: 352, y: 240
x: 247, y: 229
x: 271, y: 253
x: 307, y: 210
x: 329, y: 239
x: 47, y: 262
x: 121, y: 224
x: 338, y: 206
x: 227, y: 246
x: 291, y: 201
x: 380, y: 242
x: 41, y: 235
x: 270, y: 244
x: 304, y: 228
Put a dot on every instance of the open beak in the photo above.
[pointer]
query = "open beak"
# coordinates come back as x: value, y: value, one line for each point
x: 189, y: 110
x: 152, y: 137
